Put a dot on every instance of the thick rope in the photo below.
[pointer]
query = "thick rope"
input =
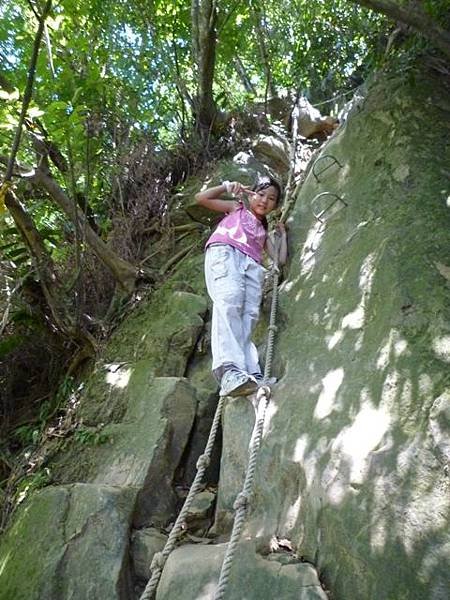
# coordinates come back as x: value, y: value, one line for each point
x: 263, y: 396
x: 160, y: 558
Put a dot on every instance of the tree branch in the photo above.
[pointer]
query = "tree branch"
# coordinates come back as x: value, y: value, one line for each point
x: 28, y: 90
x: 124, y: 272
x: 413, y: 16
x: 18, y: 169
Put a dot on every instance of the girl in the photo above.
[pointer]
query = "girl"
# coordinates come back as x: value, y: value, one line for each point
x: 234, y: 279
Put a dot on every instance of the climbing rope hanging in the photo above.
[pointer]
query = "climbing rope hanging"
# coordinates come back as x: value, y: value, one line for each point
x: 240, y: 505
x: 263, y: 396
x: 160, y: 558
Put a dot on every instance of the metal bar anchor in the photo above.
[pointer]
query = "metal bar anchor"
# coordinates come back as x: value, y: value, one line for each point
x: 334, y: 160
x: 336, y: 199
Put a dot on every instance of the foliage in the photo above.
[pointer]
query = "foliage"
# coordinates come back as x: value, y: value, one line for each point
x: 91, y: 436
x: 26, y: 450
x: 314, y: 51
x: 29, y: 434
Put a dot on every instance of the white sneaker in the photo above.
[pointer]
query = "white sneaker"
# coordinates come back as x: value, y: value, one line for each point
x: 237, y: 383
x: 260, y: 379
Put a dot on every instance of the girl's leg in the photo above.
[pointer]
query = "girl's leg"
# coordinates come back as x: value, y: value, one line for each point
x: 254, y: 279
x: 226, y: 287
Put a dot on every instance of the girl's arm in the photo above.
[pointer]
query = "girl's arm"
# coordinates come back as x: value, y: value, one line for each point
x: 282, y: 248
x: 211, y: 197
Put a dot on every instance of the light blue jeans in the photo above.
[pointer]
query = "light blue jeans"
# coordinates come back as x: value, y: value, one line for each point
x: 235, y: 283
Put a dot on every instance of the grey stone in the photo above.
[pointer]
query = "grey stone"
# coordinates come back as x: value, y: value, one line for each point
x: 69, y: 542
x: 238, y: 423
x: 252, y: 577
x: 353, y: 465
x: 147, y: 446
x: 311, y: 122
x: 202, y: 505
x: 273, y: 151
x: 145, y: 543
x: 439, y: 427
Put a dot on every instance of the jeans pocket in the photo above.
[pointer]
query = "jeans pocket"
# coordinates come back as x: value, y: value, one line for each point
x: 219, y: 262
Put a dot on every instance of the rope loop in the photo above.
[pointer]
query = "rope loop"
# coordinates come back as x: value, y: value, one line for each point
x: 242, y: 501
x: 263, y: 392
x: 203, y: 461
x: 273, y: 328
x: 158, y: 561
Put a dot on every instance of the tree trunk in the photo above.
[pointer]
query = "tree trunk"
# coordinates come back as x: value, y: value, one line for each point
x: 240, y: 70
x: 29, y: 232
x: 415, y: 17
x: 54, y: 296
x: 124, y: 272
x: 204, y: 15
x: 261, y: 35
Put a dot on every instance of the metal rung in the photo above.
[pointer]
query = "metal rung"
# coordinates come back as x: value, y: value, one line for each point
x: 322, y: 212
x: 334, y: 160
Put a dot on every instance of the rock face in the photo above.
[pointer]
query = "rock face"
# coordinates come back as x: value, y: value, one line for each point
x: 353, y: 473
x: 354, y: 464
x: 254, y: 577
x: 70, y: 542
x: 311, y: 122
x: 145, y: 543
x: 147, y: 446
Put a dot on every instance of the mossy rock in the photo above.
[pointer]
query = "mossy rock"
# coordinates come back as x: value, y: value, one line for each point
x: 69, y: 542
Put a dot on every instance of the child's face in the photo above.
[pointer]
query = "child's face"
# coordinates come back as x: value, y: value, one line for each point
x: 263, y: 201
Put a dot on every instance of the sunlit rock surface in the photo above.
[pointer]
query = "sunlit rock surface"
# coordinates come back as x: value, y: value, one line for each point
x: 354, y: 464
x: 254, y: 576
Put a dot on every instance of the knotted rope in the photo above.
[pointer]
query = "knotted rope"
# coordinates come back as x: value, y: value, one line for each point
x: 160, y: 558
x: 241, y: 503
x: 263, y: 396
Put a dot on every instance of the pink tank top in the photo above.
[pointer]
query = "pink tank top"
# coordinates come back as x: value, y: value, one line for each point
x: 242, y: 230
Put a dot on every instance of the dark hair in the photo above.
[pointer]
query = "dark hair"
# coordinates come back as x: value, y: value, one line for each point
x: 262, y: 183
x: 265, y: 181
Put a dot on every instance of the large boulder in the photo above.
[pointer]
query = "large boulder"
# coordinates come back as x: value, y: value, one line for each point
x: 69, y: 542
x: 145, y: 543
x: 311, y: 122
x: 238, y: 423
x: 273, y: 151
x: 252, y: 577
x: 145, y: 449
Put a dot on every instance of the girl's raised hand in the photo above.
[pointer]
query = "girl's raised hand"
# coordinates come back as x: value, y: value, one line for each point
x: 236, y: 188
